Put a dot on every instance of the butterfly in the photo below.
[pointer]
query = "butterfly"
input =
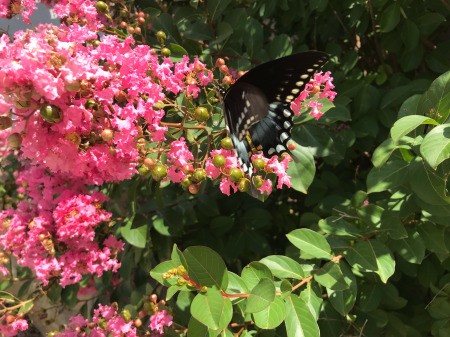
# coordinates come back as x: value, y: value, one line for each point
x: 257, y: 106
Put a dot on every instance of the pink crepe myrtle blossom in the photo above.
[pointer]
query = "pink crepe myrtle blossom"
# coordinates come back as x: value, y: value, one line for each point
x: 320, y: 86
x: 159, y: 320
x: 13, y: 328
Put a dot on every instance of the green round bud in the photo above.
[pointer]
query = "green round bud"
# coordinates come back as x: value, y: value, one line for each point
x: 199, y: 175
x: 244, y: 185
x: 236, y: 174
x: 91, y: 104
x: 226, y: 143
x: 143, y: 170
x: 201, y: 114
x: 259, y: 164
x: 219, y: 160
x: 186, y: 182
x: 161, y: 36
x: 101, y: 7
x: 257, y: 181
x: 159, y: 172
x: 51, y: 113
x: 126, y: 315
x: 14, y: 140
x: 165, y: 52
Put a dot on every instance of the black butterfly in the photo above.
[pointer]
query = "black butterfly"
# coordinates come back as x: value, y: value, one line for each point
x: 256, y: 106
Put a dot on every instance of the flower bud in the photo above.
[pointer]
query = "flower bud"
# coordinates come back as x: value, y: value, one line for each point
x: 51, y: 113
x: 201, y: 114
x: 5, y: 122
x: 101, y: 7
x: 226, y: 143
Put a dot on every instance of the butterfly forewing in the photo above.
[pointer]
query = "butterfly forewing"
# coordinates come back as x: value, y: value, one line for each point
x: 283, y: 79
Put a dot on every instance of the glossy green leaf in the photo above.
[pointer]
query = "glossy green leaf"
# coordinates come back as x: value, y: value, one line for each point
x: 299, y: 321
x: 374, y: 256
x: 161, y: 269
x: 392, y: 174
x: 411, y: 248
x: 283, y: 267
x: 212, y: 309
x: 429, y: 22
x: 435, y: 102
x: 427, y: 184
x: 410, y: 34
x: 312, y: 296
x: 253, y: 39
x: 407, y: 124
x: 280, y: 46
x: 135, y: 231
x: 254, y: 272
x: 302, y: 169
x: 331, y: 277
x: 216, y: 8
x: 198, y: 329
x: 390, y: 17
x: 311, y: 243
x: 205, y: 267
x: 177, y: 52
x: 272, y: 316
x: 316, y: 139
x: 435, y: 147
x: 261, y: 296
x: 344, y: 300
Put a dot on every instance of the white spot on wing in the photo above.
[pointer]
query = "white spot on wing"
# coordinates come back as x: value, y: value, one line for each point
x: 271, y: 151
x: 300, y: 83
x: 280, y: 148
x: 304, y: 77
x: 295, y: 91
x: 289, y: 98
x: 310, y: 70
x: 286, y: 125
x: 286, y: 113
x: 284, y: 136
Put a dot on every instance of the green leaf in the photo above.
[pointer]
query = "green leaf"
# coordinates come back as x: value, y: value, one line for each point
x: 310, y: 242
x: 374, y: 256
x: 337, y: 226
x: 212, y: 309
x: 272, y: 316
x: 410, y: 34
x: 433, y: 237
x: 429, y: 185
x: 161, y: 269
x: 436, y: 100
x: 135, y: 231
x: 384, y: 151
x: 390, y: 18
x: 370, y: 295
x: 177, y: 52
x: 312, y: 296
x: 197, y: 329
x: 299, y: 321
x: 261, y: 296
x: 344, y: 300
x: 388, y: 176
x: 254, y: 272
x: 280, y: 46
x: 253, y: 39
x: 331, y: 276
x: 429, y: 22
x: 411, y: 248
x: 283, y: 267
x: 302, y: 169
x: 205, y: 267
x: 435, y: 147
x: 216, y: 7
x: 407, y: 124
x: 318, y: 141
x: 410, y: 107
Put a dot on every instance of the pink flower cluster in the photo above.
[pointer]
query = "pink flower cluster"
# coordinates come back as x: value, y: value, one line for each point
x: 9, y: 329
x: 106, y: 321
x: 57, y: 238
x: 83, y: 10
x: 321, y: 84
x: 158, y: 321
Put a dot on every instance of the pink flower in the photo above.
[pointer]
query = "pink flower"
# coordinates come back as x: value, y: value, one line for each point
x: 159, y: 320
x: 9, y: 330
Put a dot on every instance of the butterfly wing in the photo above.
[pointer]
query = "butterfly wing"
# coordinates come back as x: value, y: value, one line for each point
x: 256, y: 105
x: 281, y: 80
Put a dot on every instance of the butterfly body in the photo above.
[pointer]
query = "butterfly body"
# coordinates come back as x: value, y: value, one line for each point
x: 256, y: 106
